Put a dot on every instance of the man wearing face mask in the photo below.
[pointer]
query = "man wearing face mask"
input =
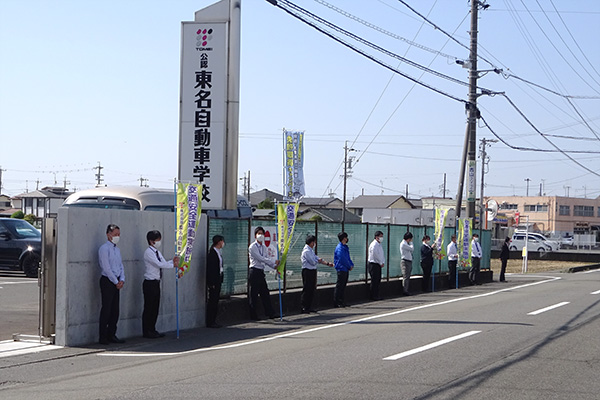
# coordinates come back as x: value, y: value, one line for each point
x: 214, y: 279
x: 406, y: 250
x: 154, y: 262
x: 376, y: 262
x: 476, y: 254
x: 426, y: 262
x: 257, y: 284
x: 343, y: 265
x: 111, y: 282
x: 309, y: 273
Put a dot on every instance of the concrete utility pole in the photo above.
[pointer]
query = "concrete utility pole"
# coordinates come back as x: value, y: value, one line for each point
x: 143, y: 181
x: 99, y: 175
x: 469, y: 148
x: 527, y: 192
x: 567, y: 187
x: 246, y: 185
x: 1, y: 179
x: 485, y: 160
x: 347, y: 174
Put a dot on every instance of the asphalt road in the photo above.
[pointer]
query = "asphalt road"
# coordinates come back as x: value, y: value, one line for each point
x: 19, y: 304
x: 535, y: 337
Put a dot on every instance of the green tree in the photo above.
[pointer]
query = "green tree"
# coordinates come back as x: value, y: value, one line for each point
x: 266, y: 204
x: 18, y: 215
x: 30, y: 218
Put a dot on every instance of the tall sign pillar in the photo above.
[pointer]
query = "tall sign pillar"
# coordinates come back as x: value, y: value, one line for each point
x: 209, y: 103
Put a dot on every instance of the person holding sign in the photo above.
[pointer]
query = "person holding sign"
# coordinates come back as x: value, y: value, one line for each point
x: 476, y: 255
x: 426, y: 262
x: 309, y: 273
x: 257, y: 284
x: 154, y: 263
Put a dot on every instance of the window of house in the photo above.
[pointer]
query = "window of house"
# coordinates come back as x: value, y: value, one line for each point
x: 509, y: 206
x: 583, y: 211
x: 564, y: 210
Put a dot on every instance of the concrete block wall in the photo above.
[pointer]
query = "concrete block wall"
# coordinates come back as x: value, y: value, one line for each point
x: 81, y: 231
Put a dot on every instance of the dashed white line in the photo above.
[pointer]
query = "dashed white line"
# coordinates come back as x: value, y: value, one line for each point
x: 596, y: 292
x: 430, y: 346
x: 541, y: 310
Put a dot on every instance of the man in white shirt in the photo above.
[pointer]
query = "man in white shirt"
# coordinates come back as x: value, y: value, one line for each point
x: 376, y: 261
x: 452, y: 251
x: 154, y: 263
x: 257, y: 284
x: 309, y: 273
x: 406, y: 250
x: 476, y: 254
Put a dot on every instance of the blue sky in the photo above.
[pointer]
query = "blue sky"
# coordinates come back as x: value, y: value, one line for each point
x: 98, y: 81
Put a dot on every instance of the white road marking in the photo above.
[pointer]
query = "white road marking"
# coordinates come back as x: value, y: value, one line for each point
x: 301, y: 332
x: 591, y: 271
x: 430, y: 346
x: 596, y: 292
x: 564, y: 303
x: 17, y: 283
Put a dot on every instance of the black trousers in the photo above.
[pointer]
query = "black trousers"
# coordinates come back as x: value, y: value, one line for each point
x: 474, y: 272
x: 340, y: 288
x: 109, y: 313
x: 258, y: 287
x: 425, y: 284
x: 452, y: 273
x: 212, y: 303
x: 309, y: 285
x: 151, y: 289
x: 375, y: 272
x: 503, y: 269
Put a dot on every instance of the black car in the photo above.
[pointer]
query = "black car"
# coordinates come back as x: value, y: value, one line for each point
x: 20, y: 246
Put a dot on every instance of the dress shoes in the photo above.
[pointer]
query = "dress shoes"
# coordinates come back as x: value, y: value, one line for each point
x: 115, y: 339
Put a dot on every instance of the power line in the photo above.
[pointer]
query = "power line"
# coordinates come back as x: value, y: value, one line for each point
x: 385, y: 32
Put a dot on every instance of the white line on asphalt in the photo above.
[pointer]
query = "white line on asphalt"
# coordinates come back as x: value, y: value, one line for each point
x: 541, y: 310
x: 596, y: 292
x: 301, y: 332
x: 16, y: 283
x: 430, y: 346
x: 591, y: 271
x: 12, y: 348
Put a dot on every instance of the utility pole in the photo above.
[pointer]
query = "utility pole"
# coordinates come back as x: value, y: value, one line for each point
x: 248, y: 186
x: 469, y: 150
x: 37, y: 184
x: 65, y: 183
x: 143, y: 181
x: 347, y: 174
x: 567, y: 187
x: 1, y: 179
x: 527, y: 192
x: 485, y: 160
x: 99, y: 175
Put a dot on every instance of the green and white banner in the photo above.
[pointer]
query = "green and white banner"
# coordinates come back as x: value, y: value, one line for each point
x: 188, y: 216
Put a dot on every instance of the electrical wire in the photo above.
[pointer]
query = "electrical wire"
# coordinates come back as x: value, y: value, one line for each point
x: 385, y: 32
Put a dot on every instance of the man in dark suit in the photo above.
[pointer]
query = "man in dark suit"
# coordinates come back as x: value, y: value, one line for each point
x: 504, y: 256
x: 214, y: 279
x: 426, y: 263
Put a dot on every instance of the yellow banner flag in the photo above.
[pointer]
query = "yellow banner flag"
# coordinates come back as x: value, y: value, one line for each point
x: 188, y: 214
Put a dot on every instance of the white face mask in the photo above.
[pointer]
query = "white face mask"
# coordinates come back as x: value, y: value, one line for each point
x: 380, y: 239
x: 115, y: 239
x: 476, y: 239
x: 260, y: 238
x: 156, y: 244
x: 223, y: 245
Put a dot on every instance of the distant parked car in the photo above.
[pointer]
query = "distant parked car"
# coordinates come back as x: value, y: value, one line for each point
x: 534, y: 244
x: 20, y: 246
x: 554, y: 244
x: 567, y: 241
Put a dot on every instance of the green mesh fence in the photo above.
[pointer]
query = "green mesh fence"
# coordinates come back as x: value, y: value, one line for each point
x: 238, y: 237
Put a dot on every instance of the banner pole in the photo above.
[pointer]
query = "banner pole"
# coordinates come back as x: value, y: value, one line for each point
x: 176, y: 252
x: 277, y: 247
